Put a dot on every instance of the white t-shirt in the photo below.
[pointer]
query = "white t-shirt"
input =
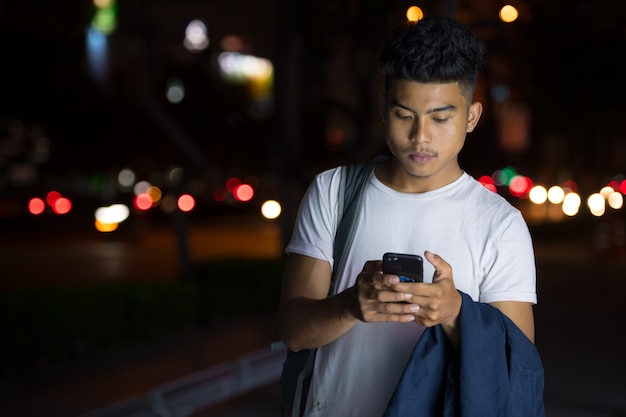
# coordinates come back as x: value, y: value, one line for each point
x: 483, y: 238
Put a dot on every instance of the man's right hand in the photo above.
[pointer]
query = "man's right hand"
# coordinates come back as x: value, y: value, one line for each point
x: 377, y: 301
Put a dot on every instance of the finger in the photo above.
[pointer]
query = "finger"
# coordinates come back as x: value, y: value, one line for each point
x: 375, y: 266
x: 392, y: 312
x: 443, y: 270
x: 436, y: 260
x: 387, y: 296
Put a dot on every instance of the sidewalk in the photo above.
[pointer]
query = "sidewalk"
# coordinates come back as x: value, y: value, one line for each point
x: 579, y: 321
x: 77, y: 389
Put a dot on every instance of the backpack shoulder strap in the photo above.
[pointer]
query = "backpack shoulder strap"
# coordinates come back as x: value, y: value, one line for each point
x: 298, y: 367
x: 354, y: 179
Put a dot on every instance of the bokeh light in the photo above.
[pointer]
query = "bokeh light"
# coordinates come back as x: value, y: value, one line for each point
x: 571, y: 204
x: 169, y: 204
x: 101, y: 4
x: 52, y: 197
x: 520, y: 186
x: 115, y: 213
x: 271, y: 209
x: 175, y: 90
x: 556, y: 194
x: 508, y: 14
x: 219, y: 193
x: 143, y: 201
x: 126, y: 179
x: 243, y: 192
x: 241, y: 68
x: 414, y: 14
x: 105, y: 16
x: 36, y: 206
x: 155, y: 194
x: 232, y: 183
x: 105, y: 227
x: 108, y: 218
x: 596, y: 204
x: 616, y: 200
x: 186, y: 202
x: 538, y: 194
x: 570, y: 186
x: 196, y: 36
x: 614, y: 185
x: 141, y: 187
x: 606, y: 191
x: 62, y: 205
x: 488, y: 183
x: 174, y: 175
x: 505, y: 175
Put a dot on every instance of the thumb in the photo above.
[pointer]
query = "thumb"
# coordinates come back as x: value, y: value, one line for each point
x: 439, y: 264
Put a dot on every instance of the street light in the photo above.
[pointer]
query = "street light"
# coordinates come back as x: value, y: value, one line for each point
x: 508, y: 14
x: 414, y: 14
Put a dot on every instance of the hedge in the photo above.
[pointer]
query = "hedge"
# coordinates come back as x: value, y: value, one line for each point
x: 42, y: 327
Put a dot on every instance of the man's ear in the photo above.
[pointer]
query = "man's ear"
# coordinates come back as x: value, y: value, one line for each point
x: 474, y: 113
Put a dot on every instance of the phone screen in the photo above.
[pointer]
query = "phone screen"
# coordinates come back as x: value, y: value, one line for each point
x: 408, y: 267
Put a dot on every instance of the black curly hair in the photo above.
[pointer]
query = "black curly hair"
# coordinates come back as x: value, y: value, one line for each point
x: 433, y: 50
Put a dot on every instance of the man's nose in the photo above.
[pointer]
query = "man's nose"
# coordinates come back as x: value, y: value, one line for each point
x: 419, y: 132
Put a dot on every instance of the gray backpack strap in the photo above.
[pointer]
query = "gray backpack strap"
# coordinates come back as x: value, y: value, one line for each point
x: 351, y: 192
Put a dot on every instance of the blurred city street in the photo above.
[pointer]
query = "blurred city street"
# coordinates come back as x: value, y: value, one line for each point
x: 579, y: 321
x: 177, y: 120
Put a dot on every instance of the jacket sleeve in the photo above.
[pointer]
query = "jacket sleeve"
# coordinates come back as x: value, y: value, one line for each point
x: 496, y: 371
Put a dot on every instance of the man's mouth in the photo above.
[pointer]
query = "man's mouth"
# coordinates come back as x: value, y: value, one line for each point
x: 423, y: 156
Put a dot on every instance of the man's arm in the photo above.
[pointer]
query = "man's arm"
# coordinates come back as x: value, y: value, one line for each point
x: 440, y: 303
x: 308, y: 318
x: 521, y: 313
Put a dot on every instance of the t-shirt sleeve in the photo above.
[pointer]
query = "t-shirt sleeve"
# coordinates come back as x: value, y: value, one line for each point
x: 511, y: 273
x: 314, y: 230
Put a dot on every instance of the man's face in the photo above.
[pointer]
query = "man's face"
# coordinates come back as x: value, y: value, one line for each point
x: 425, y: 128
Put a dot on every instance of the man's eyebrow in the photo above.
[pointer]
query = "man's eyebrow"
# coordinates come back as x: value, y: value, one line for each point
x: 448, y: 107
x: 397, y: 104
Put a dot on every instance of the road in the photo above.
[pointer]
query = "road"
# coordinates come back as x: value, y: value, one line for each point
x: 579, y: 319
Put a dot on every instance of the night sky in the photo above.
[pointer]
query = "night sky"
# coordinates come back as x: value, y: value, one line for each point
x: 561, y: 62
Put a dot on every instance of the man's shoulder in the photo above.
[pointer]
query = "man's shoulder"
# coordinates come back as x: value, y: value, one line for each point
x: 487, y: 200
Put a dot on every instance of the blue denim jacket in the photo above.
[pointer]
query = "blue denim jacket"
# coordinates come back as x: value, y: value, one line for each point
x: 496, y: 371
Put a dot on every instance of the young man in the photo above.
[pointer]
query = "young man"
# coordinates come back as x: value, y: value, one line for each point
x: 418, y: 201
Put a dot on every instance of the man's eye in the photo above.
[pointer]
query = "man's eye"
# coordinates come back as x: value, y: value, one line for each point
x: 441, y: 119
x: 403, y: 116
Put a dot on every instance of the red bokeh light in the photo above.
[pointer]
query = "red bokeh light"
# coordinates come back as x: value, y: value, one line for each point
x: 186, y: 202
x: 232, y: 183
x: 614, y: 185
x: 486, y: 179
x: 520, y: 186
x: 570, y: 185
x: 243, y: 192
x: 52, y: 197
x: 219, y: 193
x: 143, y: 201
x: 62, y: 205
x: 36, y: 206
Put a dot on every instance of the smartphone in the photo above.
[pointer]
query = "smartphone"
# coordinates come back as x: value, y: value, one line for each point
x: 410, y: 268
